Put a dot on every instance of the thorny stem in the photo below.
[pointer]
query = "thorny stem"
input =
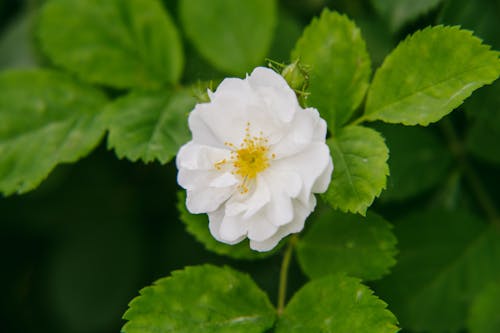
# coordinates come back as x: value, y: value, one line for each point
x: 285, y: 264
x: 470, y: 174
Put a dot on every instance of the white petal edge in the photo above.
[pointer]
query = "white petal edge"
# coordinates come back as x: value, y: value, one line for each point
x: 301, y: 213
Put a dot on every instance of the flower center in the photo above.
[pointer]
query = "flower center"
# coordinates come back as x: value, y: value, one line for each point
x: 249, y: 158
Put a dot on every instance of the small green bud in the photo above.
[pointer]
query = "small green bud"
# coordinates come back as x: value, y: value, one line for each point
x: 297, y: 77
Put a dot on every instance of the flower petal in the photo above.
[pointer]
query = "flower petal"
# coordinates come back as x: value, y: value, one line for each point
x: 233, y: 228
x: 260, y: 228
x: 301, y: 212
x: 285, y: 186
x: 306, y: 127
x: 310, y: 164
x: 227, y: 179
x: 207, y: 200
x: 214, y: 224
x: 274, y: 92
x: 250, y: 203
x: 193, y: 156
x: 321, y: 184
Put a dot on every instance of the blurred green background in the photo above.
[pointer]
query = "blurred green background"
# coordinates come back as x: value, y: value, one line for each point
x: 76, y: 250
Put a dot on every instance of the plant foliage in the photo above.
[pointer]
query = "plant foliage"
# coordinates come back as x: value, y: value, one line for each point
x: 75, y: 73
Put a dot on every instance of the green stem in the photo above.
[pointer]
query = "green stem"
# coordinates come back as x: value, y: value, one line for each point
x: 482, y: 196
x: 285, y: 264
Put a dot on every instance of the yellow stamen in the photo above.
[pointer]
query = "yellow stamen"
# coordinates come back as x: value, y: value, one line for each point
x: 249, y: 159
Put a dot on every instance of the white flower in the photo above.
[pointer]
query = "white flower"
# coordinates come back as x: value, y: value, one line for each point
x: 255, y: 161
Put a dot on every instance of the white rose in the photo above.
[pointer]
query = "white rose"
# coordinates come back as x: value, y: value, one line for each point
x: 255, y: 161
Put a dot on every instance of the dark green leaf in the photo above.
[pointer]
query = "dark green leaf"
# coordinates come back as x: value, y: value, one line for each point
x: 418, y: 161
x: 120, y: 43
x: 399, y: 12
x: 234, y: 36
x: 337, y: 242
x: 483, y: 315
x: 334, y: 50
x: 46, y: 118
x: 360, y: 158
x: 288, y: 30
x: 150, y: 125
x: 379, y: 40
x: 484, y: 111
x: 445, y: 260
x: 197, y: 225
x: 428, y: 75
x: 16, y: 44
x: 201, y: 299
x: 480, y: 16
x: 96, y: 245
x: 483, y: 137
x: 336, y: 304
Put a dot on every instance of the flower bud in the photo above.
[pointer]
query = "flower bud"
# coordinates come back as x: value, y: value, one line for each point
x: 297, y: 76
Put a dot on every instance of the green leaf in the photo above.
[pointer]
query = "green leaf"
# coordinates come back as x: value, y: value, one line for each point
x: 46, y: 118
x: 197, y: 225
x: 484, y: 131
x: 399, y: 12
x: 360, y: 158
x: 288, y: 30
x: 379, y: 40
x: 120, y: 43
x: 336, y: 304
x: 94, y: 247
x: 418, y: 161
x: 201, y: 299
x: 483, y: 314
x: 149, y: 125
x: 337, y: 242
x: 480, y: 16
x: 234, y: 36
x: 16, y: 44
x: 483, y: 137
x: 339, y: 66
x: 428, y: 75
x: 445, y: 260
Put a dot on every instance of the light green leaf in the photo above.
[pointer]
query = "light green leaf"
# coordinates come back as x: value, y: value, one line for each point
x: 149, y: 125
x: 418, y: 161
x: 197, y: 225
x: 428, y: 75
x: 234, y: 36
x: 337, y: 242
x: 399, y: 12
x: 336, y: 304
x: 483, y: 314
x: 445, y: 260
x: 339, y: 66
x: 360, y: 158
x: 120, y: 43
x: 201, y: 299
x: 46, y: 118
